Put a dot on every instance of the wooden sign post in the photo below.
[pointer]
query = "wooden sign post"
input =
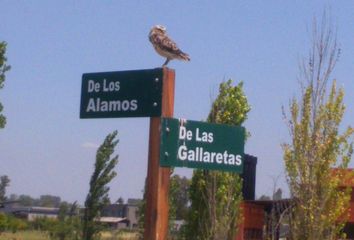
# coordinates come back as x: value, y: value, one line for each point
x: 158, y: 178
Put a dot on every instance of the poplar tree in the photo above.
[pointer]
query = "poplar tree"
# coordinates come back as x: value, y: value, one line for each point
x: 216, y: 196
x: 3, y: 68
x: 317, y: 144
x: 98, y: 193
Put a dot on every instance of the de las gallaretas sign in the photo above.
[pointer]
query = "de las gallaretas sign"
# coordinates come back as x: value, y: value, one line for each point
x: 135, y: 93
x: 203, y: 145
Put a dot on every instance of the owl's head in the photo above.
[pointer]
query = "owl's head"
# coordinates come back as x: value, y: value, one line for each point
x: 158, y: 28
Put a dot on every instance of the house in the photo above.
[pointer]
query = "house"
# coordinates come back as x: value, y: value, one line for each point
x: 128, y: 212
x: 260, y: 215
x: 347, y: 180
x: 132, y: 212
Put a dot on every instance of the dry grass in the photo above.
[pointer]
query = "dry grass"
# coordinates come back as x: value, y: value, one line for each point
x: 24, y: 235
x: 37, y: 235
x: 119, y: 236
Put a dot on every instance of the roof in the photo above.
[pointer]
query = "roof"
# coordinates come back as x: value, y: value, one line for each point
x: 269, y: 204
x: 34, y: 210
x: 111, y: 219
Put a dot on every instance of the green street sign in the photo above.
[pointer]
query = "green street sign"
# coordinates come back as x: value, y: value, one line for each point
x: 134, y: 93
x: 202, y: 145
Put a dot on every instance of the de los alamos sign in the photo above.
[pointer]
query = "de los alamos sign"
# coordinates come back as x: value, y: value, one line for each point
x: 203, y: 145
x: 134, y: 93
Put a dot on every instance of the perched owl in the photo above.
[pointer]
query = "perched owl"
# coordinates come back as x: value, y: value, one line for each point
x: 165, y: 46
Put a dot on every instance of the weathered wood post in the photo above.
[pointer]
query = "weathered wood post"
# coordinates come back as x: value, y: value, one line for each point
x: 158, y: 178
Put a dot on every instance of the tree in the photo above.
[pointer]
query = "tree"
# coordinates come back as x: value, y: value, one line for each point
x: 277, y: 195
x: 3, y: 68
x: 179, y: 197
x: 67, y: 226
x: 120, y: 201
x: 316, y: 144
x: 98, y: 192
x: 141, y: 213
x: 4, y: 183
x: 11, y: 223
x: 3, y: 222
x: 178, y: 203
x: 216, y: 196
x: 63, y: 211
x: 26, y: 200
x: 264, y: 198
x: 49, y: 201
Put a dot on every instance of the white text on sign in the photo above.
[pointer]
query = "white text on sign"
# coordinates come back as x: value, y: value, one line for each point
x: 94, y: 86
x: 199, y: 136
x: 199, y: 154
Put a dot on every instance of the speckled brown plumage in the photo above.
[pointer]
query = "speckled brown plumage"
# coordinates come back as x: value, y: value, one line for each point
x: 165, y: 46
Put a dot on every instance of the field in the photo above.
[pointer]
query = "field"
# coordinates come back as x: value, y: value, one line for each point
x: 36, y: 235
x: 24, y: 235
x: 119, y: 236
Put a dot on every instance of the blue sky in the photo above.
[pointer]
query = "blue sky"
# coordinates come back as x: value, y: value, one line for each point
x: 45, y: 147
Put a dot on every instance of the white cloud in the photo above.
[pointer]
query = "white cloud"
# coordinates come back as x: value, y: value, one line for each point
x: 89, y: 145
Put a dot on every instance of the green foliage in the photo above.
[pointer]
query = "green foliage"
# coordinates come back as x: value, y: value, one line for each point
x: 231, y: 106
x: 178, y: 203
x: 10, y: 223
x: 215, y: 208
x: 68, y: 225
x: 179, y: 197
x: 3, y: 68
x: 42, y: 201
x: 43, y: 224
x: 317, y: 146
x: 216, y: 196
x: 64, y: 228
x: 4, y: 183
x: 24, y: 235
x: 16, y: 224
x: 3, y: 222
x: 25, y: 200
x: 49, y: 201
x: 63, y: 211
x: 98, y: 193
x: 141, y: 213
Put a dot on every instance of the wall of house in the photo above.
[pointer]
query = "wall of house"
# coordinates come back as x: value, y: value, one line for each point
x: 251, y: 227
x: 351, y: 209
x: 131, y: 215
x: 33, y: 216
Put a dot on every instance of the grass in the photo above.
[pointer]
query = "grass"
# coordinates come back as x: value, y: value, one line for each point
x: 37, y: 235
x: 24, y: 235
x: 119, y: 236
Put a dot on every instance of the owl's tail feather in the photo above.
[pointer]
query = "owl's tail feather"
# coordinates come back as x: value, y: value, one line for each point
x: 184, y: 56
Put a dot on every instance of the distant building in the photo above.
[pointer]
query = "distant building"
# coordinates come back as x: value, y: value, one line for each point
x: 30, y: 213
x: 116, y: 213
x: 114, y: 210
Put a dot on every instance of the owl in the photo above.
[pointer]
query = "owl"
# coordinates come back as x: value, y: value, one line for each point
x: 165, y: 46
